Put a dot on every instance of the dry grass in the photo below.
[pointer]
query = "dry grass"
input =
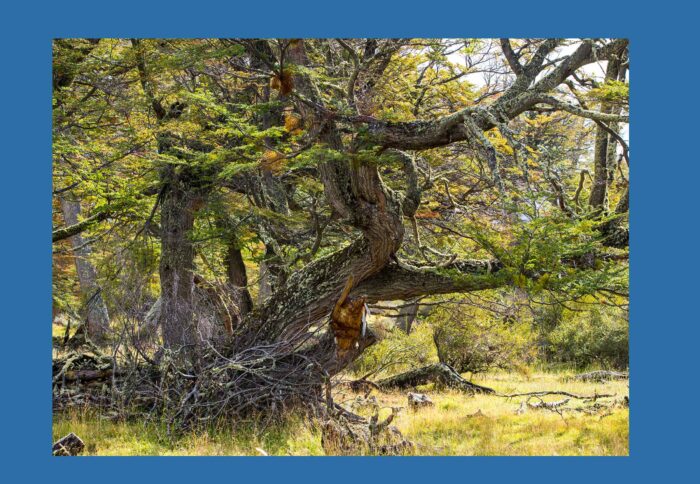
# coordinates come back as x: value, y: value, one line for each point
x: 448, y: 428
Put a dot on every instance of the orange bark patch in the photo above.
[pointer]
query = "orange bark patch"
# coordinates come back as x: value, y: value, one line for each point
x: 283, y: 82
x: 292, y: 122
x: 427, y: 214
x: 346, y: 320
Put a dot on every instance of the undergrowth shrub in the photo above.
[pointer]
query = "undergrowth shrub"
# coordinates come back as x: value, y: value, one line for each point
x: 477, y: 343
x: 396, y: 352
x: 591, y: 338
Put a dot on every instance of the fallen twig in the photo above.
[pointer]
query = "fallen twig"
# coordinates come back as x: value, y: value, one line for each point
x: 547, y: 405
x: 601, y: 376
x: 594, y: 397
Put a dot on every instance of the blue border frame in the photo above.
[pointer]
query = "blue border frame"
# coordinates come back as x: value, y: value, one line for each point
x: 664, y: 174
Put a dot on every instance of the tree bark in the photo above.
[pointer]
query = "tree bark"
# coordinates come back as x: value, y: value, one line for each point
x: 177, y: 264
x: 355, y: 191
x: 605, y: 149
x: 238, y: 277
x: 403, y: 281
x: 97, y: 316
x: 407, y: 315
x: 75, y: 229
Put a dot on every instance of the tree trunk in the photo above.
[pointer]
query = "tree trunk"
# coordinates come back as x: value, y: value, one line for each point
x: 271, y: 274
x: 238, y: 277
x: 96, y: 311
x: 356, y: 192
x: 604, y: 157
x: 177, y: 265
x: 407, y: 315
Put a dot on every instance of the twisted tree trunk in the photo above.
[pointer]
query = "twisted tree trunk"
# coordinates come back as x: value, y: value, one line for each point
x: 237, y: 276
x: 356, y: 192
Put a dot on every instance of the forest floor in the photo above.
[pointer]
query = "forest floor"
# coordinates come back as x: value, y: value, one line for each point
x: 456, y: 425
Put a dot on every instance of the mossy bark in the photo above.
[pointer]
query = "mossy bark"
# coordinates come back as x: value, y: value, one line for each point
x: 177, y: 264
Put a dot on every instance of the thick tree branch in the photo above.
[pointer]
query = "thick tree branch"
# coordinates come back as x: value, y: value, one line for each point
x: 402, y: 281
x: 511, y: 56
x: 421, y: 134
x: 577, y: 111
x: 71, y: 230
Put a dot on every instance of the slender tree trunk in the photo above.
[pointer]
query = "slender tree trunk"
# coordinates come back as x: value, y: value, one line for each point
x: 96, y: 311
x: 272, y: 274
x: 238, y: 277
x: 406, y: 317
x: 604, y: 157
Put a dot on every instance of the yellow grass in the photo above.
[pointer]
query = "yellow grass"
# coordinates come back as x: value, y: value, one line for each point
x: 447, y: 428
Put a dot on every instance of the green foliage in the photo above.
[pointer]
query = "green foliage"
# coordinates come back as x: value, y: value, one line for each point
x: 396, y: 351
x: 473, y: 340
x: 611, y: 91
x: 597, y: 337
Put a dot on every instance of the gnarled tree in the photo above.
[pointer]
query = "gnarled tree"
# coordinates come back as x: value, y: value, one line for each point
x: 372, y: 165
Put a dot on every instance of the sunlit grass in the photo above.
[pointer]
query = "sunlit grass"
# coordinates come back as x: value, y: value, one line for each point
x: 102, y: 436
x: 58, y: 330
x: 448, y: 428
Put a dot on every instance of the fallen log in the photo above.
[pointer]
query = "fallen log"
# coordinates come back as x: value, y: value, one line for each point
x: 542, y: 393
x: 82, y: 366
x: 86, y: 376
x: 601, y: 376
x: 438, y: 373
x: 69, y: 445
